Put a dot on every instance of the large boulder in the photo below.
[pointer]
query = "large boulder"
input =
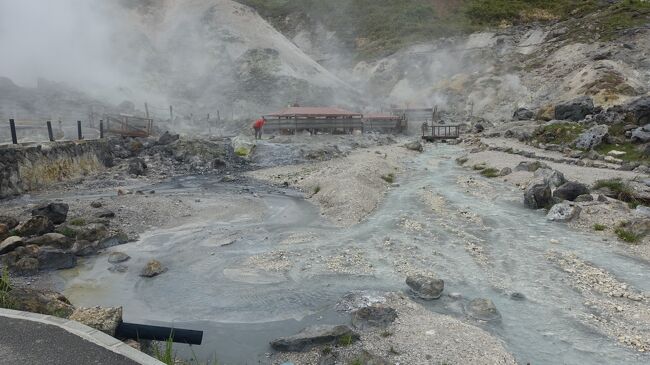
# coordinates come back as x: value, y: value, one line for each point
x: 10, y: 244
x: 10, y: 222
x: 570, y: 191
x: 35, y: 226
x: 54, y: 259
x: 56, y: 212
x: 642, y: 134
x: 640, y: 109
x: 137, y: 167
x: 25, y: 266
x: 314, y: 336
x: 482, y: 309
x: 56, y: 240
x: 152, y: 268
x: 523, y: 114
x: 593, y: 137
x: 553, y: 177
x: 426, y: 287
x: 90, y: 232
x: 575, y: 110
x: 373, y: 316
x: 103, y: 319
x: 538, y: 194
x: 40, y: 301
x: 563, y: 212
x: 4, y: 232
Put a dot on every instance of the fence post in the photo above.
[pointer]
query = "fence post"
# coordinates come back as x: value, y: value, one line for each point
x: 12, y: 126
x: 49, y: 131
x: 79, y: 130
x: 101, y: 129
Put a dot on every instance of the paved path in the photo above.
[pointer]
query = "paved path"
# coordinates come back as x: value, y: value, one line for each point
x: 24, y: 341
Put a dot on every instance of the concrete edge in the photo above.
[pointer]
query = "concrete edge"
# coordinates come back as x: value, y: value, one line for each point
x: 87, y: 333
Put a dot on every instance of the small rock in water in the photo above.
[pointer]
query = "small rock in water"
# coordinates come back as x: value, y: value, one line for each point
x: 426, y: 287
x: 153, y: 268
x: 517, y: 296
x: 117, y: 257
x: 554, y: 241
x: 373, y: 316
x: 482, y: 309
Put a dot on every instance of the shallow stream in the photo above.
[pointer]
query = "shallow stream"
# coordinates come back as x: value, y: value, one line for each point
x: 211, y: 284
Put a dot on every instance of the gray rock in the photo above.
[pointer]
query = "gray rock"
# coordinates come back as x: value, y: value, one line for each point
x: 57, y: 213
x: 414, y: 146
x: 167, y: 138
x: 117, y: 257
x: 35, y: 226
x: 538, y: 194
x: 505, y: 171
x: 96, y: 204
x: 642, y: 211
x: 553, y: 177
x: 593, y: 137
x: 40, y: 301
x: 642, y: 134
x: 640, y: 108
x: 517, y: 296
x: 530, y: 166
x: 102, y: 319
x: 91, y: 232
x: 119, y: 268
x: 575, y: 110
x: 25, y: 266
x: 570, y: 191
x: 114, y: 239
x: 137, y: 167
x: 373, y: 316
x: 563, y: 212
x: 314, y: 336
x: 584, y: 198
x: 523, y: 114
x: 482, y: 309
x: 105, y: 213
x: 84, y: 248
x: 55, y: 240
x: 54, y: 259
x: 426, y: 287
x: 359, y: 299
x: 10, y: 244
x: 152, y: 268
x: 10, y: 222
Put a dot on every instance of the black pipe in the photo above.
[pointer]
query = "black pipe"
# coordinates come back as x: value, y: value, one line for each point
x: 12, y: 126
x: 79, y: 130
x: 49, y: 131
x: 146, y: 332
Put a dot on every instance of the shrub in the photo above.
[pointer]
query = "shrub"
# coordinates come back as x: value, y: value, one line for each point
x: 68, y: 232
x: 78, y: 222
x: 621, y: 190
x: 5, y: 288
x: 626, y: 235
x: 490, y: 172
x: 346, y: 340
x: 390, y: 178
x: 316, y: 190
x: 599, y: 227
x: 479, y: 167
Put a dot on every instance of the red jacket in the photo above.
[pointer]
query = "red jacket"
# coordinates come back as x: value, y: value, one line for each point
x: 259, y: 123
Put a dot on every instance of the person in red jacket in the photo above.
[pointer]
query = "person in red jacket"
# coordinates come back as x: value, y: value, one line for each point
x: 257, y: 126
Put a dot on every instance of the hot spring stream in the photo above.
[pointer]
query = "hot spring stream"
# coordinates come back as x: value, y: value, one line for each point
x: 210, y: 287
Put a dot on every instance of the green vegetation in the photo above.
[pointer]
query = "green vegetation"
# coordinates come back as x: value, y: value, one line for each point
x: 78, y: 222
x: 316, y: 190
x: 621, y: 190
x: 68, y: 232
x: 379, y: 27
x: 626, y: 235
x: 599, y: 227
x: 356, y: 362
x: 461, y: 160
x: 390, y: 178
x: 490, y: 172
x: 346, y: 340
x: 632, y: 153
x: 166, y: 354
x: 386, y: 333
x: 5, y: 288
x: 326, y: 350
x: 558, y: 133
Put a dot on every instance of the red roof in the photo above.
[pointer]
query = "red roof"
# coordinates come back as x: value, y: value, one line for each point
x: 379, y: 116
x: 314, y: 112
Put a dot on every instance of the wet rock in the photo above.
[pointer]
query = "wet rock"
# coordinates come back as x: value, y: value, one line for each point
x: 584, y: 198
x: 53, y: 259
x: 96, y: 204
x: 114, y: 239
x: 56, y: 240
x: 554, y: 178
x: 482, y: 309
x: 167, y: 138
x: 105, y: 213
x: 35, y: 226
x: 314, y: 336
x: 530, y: 166
x: 414, y: 146
x: 538, y: 194
x: 103, y: 319
x: 570, y: 191
x: 57, y: 213
x: 593, y: 137
x: 91, y: 232
x: 84, y: 248
x: 517, y: 296
x: 25, y: 266
x: 10, y: 244
x: 575, y: 110
x: 563, y: 212
x: 359, y: 299
x: 523, y: 114
x: 10, y: 222
x: 426, y: 287
x: 137, y: 167
x: 152, y: 268
x: 373, y: 316
x: 40, y: 301
x: 505, y: 171
x: 117, y: 257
